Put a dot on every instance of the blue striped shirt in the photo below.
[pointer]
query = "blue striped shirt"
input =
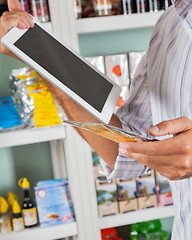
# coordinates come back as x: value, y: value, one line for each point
x: 162, y: 90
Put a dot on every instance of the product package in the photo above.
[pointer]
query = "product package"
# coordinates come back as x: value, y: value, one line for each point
x: 129, y: 6
x: 39, y: 9
x: 127, y: 200
x: 25, y: 5
x: 150, y: 230
x: 98, y: 170
x: 142, y: 6
x: 154, y: 5
x: 77, y: 9
x: 97, y: 62
x: 164, y: 196
x: 36, y: 104
x: 102, y: 7
x: 9, y: 117
x: 108, y: 131
x: 87, y: 8
x: 146, y: 192
x: 116, y: 7
x: 107, y: 198
x: 54, y: 202
x: 110, y: 233
x: 134, y: 59
x: 117, y: 70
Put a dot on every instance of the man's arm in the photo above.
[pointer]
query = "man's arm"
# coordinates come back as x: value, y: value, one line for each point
x: 107, y: 149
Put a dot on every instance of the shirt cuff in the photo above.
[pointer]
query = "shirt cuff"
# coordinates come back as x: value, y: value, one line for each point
x: 125, y: 168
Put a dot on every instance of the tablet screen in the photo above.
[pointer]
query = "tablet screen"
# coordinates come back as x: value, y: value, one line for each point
x: 65, y: 66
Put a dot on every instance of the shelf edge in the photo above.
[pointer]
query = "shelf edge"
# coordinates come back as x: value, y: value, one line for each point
x: 136, y: 216
x: 29, y: 136
x: 47, y: 233
x: 117, y: 22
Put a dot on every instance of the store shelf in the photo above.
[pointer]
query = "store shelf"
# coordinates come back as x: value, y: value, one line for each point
x: 32, y: 135
x: 118, y: 22
x: 136, y: 216
x: 49, y: 233
x: 48, y: 26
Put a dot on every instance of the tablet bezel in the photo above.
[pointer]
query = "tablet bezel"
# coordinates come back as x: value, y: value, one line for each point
x: 105, y: 115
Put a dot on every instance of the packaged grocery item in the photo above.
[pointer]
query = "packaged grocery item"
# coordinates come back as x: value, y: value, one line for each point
x: 17, y: 218
x: 34, y: 100
x: 39, y: 9
x: 134, y: 59
x: 102, y: 7
x: 98, y: 170
x: 54, y: 202
x: 164, y: 4
x: 11, y: 198
x: 142, y: 6
x: 127, y: 200
x: 77, y: 8
x: 5, y: 218
x: 116, y: 7
x: 87, y: 8
x: 154, y: 5
x: 9, y: 117
x: 29, y: 210
x: 117, y: 68
x: 97, y: 62
x: 25, y: 5
x: 129, y: 6
x: 107, y: 198
x: 110, y: 233
x: 113, y: 133
x: 164, y: 194
x: 146, y: 192
x: 150, y: 230
x: 19, y: 78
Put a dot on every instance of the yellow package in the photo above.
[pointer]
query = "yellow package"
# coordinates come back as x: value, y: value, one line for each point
x: 113, y: 133
x: 45, y: 112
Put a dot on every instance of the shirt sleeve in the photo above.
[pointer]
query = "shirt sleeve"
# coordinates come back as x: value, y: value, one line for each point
x: 135, y: 116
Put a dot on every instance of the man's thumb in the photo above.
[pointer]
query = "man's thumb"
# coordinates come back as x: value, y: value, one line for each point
x: 14, y: 5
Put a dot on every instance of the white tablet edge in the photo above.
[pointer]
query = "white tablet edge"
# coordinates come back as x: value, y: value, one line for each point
x: 14, y: 34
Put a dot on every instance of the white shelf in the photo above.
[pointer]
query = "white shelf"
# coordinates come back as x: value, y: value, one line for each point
x: 136, y: 216
x: 48, y: 233
x: 32, y: 135
x: 118, y: 22
x: 48, y: 25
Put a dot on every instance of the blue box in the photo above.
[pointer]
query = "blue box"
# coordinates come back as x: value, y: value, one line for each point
x: 54, y: 203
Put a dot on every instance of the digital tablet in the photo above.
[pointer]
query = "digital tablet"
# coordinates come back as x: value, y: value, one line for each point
x: 60, y: 65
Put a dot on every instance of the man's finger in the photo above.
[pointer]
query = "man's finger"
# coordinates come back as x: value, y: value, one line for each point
x: 174, y: 145
x: 171, y: 127
x: 14, y: 5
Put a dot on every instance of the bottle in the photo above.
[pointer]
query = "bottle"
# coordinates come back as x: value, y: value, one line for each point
x: 5, y: 219
x: 39, y: 9
x: 103, y: 7
x: 129, y: 7
x: 17, y: 218
x: 29, y: 210
x: 11, y: 197
x: 78, y: 9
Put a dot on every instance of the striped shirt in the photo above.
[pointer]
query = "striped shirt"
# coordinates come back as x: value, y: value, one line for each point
x: 162, y: 90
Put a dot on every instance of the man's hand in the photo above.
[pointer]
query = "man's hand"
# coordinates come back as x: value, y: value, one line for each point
x: 16, y: 17
x: 171, y: 157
